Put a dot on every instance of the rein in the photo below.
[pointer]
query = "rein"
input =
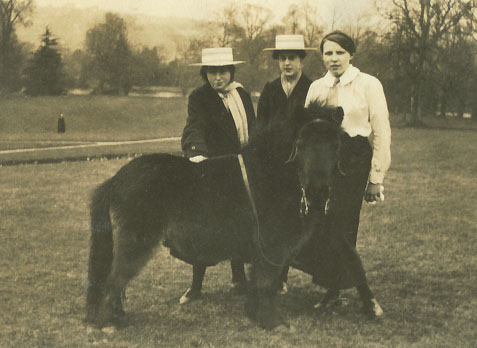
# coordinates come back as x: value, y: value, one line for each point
x: 254, y: 210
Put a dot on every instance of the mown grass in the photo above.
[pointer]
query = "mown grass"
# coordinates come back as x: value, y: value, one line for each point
x: 418, y: 248
x: 32, y: 123
x: 90, y: 118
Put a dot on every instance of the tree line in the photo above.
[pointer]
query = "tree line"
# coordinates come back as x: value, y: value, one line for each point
x: 423, y: 51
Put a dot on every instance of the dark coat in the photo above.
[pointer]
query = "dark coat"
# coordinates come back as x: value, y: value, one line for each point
x: 274, y: 106
x: 210, y: 129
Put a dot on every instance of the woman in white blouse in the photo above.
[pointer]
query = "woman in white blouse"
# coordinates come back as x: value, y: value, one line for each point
x: 362, y: 165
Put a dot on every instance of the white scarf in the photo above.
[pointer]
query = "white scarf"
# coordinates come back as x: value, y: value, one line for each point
x: 232, y: 101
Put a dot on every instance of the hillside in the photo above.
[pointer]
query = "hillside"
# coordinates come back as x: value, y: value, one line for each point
x: 70, y: 25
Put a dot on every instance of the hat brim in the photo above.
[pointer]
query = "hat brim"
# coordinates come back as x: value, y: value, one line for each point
x: 290, y: 49
x: 218, y: 63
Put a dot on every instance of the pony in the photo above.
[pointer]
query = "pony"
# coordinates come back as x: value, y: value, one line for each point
x: 248, y: 207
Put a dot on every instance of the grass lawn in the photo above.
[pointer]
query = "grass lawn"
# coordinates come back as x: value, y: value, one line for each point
x: 90, y: 118
x: 31, y: 123
x: 418, y: 248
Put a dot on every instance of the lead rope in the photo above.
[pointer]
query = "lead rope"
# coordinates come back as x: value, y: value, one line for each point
x: 254, y: 210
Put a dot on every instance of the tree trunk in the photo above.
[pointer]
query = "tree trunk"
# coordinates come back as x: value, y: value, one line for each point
x: 416, y: 112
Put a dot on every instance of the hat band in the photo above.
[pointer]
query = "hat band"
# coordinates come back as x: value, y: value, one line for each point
x: 289, y: 45
x: 217, y: 59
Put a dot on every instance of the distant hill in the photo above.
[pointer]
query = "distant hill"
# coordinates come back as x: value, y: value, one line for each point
x: 70, y: 24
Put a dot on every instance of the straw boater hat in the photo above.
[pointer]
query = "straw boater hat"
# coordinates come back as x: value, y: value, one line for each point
x: 219, y: 56
x: 289, y: 43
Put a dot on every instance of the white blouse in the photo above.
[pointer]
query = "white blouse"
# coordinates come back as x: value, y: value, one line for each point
x: 365, y: 113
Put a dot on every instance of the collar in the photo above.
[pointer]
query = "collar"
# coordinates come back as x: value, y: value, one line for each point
x: 348, y: 76
x: 294, y: 82
x: 289, y: 86
x: 230, y: 87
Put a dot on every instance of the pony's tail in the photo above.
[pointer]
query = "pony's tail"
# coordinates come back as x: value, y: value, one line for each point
x: 101, y: 252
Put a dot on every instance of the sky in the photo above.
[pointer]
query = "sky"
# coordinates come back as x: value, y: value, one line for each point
x: 204, y: 9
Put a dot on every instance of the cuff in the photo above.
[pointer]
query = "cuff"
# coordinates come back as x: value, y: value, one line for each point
x: 376, y: 177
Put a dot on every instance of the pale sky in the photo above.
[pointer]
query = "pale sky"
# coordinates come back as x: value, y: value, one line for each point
x: 204, y: 9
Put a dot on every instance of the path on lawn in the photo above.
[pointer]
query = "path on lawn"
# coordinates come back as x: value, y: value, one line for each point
x: 96, y: 144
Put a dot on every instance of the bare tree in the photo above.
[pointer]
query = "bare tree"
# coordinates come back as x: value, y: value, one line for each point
x: 12, y: 13
x: 313, y: 27
x: 420, y: 25
x: 292, y: 18
x: 254, y: 20
x: 228, y: 26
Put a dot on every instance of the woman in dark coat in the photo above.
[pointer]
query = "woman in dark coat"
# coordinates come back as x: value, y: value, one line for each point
x: 220, y: 119
x: 280, y: 97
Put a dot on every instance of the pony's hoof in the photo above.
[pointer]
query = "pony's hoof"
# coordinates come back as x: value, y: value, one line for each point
x: 269, y: 322
x: 188, y: 296
x: 331, y: 299
x: 239, y: 288
x: 372, y: 309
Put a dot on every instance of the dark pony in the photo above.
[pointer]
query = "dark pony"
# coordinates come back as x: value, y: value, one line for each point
x: 207, y: 213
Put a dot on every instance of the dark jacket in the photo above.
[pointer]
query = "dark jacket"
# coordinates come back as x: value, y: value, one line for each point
x: 210, y: 129
x: 274, y: 106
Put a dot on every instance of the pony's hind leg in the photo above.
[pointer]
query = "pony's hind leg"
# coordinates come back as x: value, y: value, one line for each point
x: 132, y: 250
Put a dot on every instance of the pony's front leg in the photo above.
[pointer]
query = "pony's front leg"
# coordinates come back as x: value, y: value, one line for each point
x: 261, y: 304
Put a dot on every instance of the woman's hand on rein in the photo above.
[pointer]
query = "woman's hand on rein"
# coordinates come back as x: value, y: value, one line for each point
x: 197, y: 159
x: 374, y: 193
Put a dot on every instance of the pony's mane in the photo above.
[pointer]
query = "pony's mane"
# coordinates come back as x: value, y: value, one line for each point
x: 317, y: 110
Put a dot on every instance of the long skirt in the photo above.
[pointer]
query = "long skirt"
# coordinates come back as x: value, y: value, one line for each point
x: 330, y: 256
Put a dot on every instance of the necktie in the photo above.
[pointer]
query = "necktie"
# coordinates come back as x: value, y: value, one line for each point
x: 332, y: 99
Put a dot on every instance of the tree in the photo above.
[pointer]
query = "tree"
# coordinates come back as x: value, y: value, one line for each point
x: 146, y: 67
x: 12, y: 13
x: 228, y: 28
x: 419, y: 28
x: 109, y: 56
x: 292, y: 19
x: 74, y: 65
x: 44, y: 75
x: 312, y: 27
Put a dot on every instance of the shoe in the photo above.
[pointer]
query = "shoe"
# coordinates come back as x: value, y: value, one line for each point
x: 284, y: 289
x: 239, y: 287
x: 372, y: 309
x: 331, y: 299
x: 189, y: 295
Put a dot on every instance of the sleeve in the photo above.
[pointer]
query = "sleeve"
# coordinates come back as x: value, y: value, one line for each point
x: 263, y: 108
x: 379, y: 119
x: 251, y: 119
x: 312, y: 94
x: 193, y: 136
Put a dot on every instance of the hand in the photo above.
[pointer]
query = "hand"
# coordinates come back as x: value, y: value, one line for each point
x: 197, y: 159
x: 374, y: 192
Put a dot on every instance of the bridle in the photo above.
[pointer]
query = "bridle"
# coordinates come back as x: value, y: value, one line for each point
x: 304, y: 203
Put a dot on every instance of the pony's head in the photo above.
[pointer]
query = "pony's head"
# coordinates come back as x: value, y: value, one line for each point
x: 317, y: 148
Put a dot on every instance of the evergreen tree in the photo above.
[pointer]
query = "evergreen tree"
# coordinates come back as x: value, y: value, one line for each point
x: 44, y: 75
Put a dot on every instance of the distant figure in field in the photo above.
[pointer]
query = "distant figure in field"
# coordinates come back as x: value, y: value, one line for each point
x: 280, y: 97
x: 61, y: 124
x: 220, y: 119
